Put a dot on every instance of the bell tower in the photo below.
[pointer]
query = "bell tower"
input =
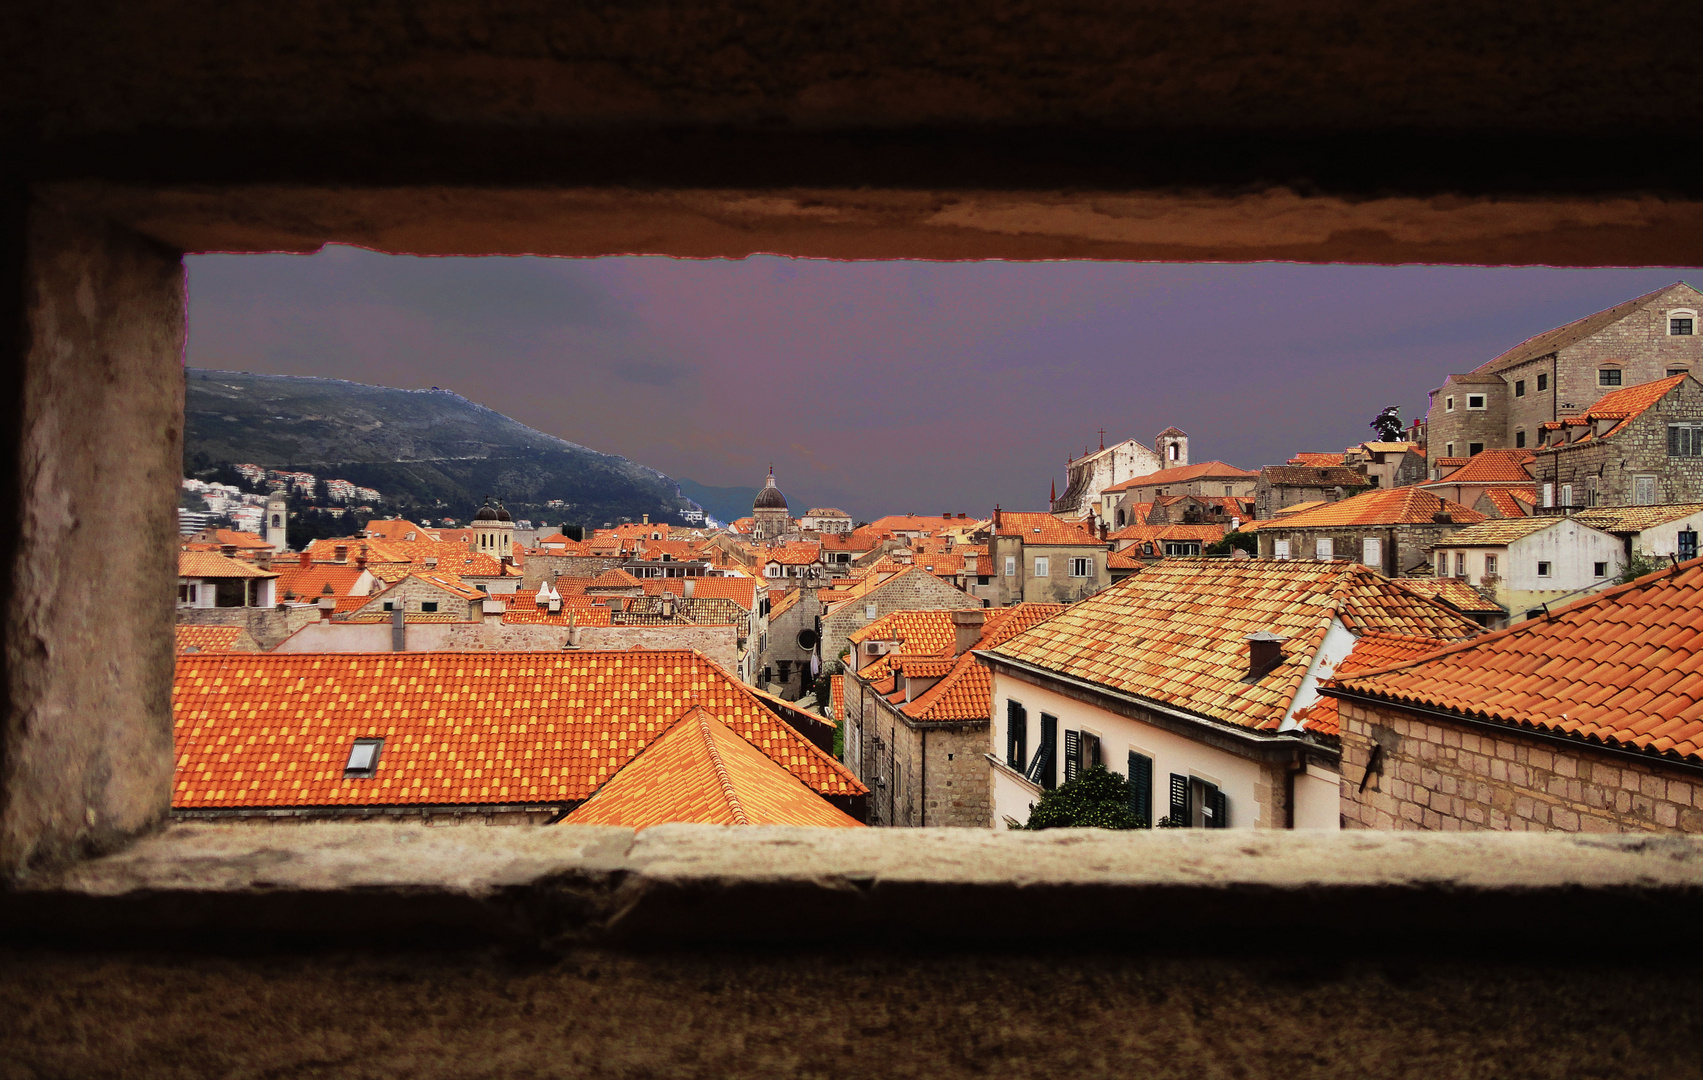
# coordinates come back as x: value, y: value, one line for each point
x: 1173, y: 447
x: 277, y: 521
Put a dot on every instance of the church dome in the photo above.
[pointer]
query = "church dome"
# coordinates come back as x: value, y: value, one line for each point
x: 770, y: 498
x: 492, y: 513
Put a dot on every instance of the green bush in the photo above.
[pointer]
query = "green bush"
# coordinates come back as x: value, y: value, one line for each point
x: 1244, y: 541
x: 1640, y: 564
x: 1096, y: 799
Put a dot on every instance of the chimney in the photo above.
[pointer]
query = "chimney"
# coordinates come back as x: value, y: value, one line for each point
x: 1105, y: 531
x: 1337, y: 493
x: 361, y: 557
x: 263, y: 559
x: 647, y: 519
x: 1265, y: 651
x: 996, y: 517
x: 691, y: 587
x: 431, y: 562
x: 327, y: 605
x: 1443, y: 517
x: 966, y: 629
x: 340, y: 553
x: 398, y: 630
x: 307, y: 560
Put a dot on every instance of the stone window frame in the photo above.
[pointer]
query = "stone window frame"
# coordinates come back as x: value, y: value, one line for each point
x: 1610, y: 375
x: 1543, y: 382
x: 1687, y: 315
x: 1519, y: 438
x: 1519, y: 388
x: 1449, y: 403
x: 1489, y: 564
x: 1482, y: 400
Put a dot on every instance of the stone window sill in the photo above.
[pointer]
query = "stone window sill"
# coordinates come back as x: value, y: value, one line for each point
x: 212, y: 886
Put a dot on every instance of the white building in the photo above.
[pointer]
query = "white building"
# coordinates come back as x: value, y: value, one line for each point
x: 1198, y: 680
x: 1667, y: 531
x: 1088, y: 476
x: 826, y: 519
x: 1528, y: 562
x: 206, y: 579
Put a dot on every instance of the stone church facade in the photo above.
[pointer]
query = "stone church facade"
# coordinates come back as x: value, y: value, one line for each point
x: 1087, y: 476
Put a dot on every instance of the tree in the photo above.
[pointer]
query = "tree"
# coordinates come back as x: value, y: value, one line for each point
x: 1640, y: 564
x: 1388, y: 424
x: 1245, y: 541
x: 1096, y: 799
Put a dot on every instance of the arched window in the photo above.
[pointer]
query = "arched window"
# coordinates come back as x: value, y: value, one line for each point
x: 1682, y: 322
x: 1120, y: 519
x: 1171, y: 452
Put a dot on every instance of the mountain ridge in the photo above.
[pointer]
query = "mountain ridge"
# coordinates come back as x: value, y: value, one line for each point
x: 422, y: 449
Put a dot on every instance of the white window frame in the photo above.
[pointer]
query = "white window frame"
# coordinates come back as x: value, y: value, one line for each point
x: 1324, y: 548
x: 1449, y: 404
x: 1280, y: 549
x: 1372, y: 552
x: 1489, y: 564
x: 1042, y: 566
x: 1545, y: 568
x: 1548, y: 495
x: 1081, y: 567
x: 1639, y: 485
x: 1460, y: 564
x: 1480, y: 406
x: 1566, y: 494
x: 1011, y: 566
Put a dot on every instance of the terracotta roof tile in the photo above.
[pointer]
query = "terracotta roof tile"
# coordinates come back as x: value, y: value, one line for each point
x: 1182, y: 474
x: 1493, y: 467
x: 966, y: 690
x: 1386, y: 506
x: 1624, y: 405
x: 213, y: 639
x: 210, y: 564
x: 315, y: 580
x: 1622, y: 668
x: 1633, y: 519
x: 1512, y: 502
x: 459, y: 728
x: 1313, y: 476
x: 699, y: 771
x: 1369, y: 652
x: 1453, y: 592
x: 1498, y: 532
x: 741, y: 590
x: 1044, y: 529
x: 1318, y: 461
x: 1176, y: 632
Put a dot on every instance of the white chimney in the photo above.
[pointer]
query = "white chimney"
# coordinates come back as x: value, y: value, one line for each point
x: 691, y: 588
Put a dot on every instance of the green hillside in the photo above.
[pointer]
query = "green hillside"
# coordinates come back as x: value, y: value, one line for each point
x: 429, y: 452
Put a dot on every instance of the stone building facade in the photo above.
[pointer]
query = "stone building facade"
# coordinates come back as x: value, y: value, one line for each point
x: 1605, y: 458
x: 1433, y: 772
x: 1560, y: 373
x: 1040, y: 559
x: 918, y: 775
x: 1091, y: 474
x: 1281, y: 486
x: 911, y: 589
x: 1390, y: 530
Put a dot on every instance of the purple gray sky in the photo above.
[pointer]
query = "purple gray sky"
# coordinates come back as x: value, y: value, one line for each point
x: 890, y: 387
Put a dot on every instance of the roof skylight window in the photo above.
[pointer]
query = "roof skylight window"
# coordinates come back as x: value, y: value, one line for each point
x: 363, y: 759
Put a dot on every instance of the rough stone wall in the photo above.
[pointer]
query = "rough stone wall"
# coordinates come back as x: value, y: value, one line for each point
x: 913, y: 591
x: 1639, y: 342
x: 718, y: 643
x: 1528, y: 411
x: 537, y: 568
x: 1463, y: 426
x: 412, y: 592
x: 958, y: 787
x: 1405, y: 546
x: 94, y: 400
x: 1456, y: 777
x: 1642, y: 449
x: 933, y: 776
x: 782, y: 644
x: 1270, y: 498
x: 269, y: 627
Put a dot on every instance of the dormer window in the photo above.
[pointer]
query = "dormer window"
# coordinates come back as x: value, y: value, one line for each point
x: 1682, y: 322
x: 363, y: 759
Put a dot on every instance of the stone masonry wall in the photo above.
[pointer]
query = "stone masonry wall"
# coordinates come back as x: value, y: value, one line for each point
x: 1642, y: 449
x: 412, y: 592
x: 1405, y: 546
x: 1639, y: 342
x: 718, y: 643
x: 914, y: 591
x: 269, y: 627
x: 1462, y: 426
x: 1442, y: 776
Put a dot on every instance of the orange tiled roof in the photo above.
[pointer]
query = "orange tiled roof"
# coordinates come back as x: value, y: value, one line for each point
x: 1386, y: 506
x: 967, y: 689
x: 1182, y: 474
x: 274, y: 729
x: 210, y: 564
x: 794, y: 553
x: 614, y: 578
x: 241, y: 540
x: 1624, y: 405
x: 212, y: 639
x: 1318, y: 461
x: 1123, y: 560
x: 1632, y: 519
x: 1369, y: 652
x: 741, y: 590
x: 1044, y: 529
x: 1511, y: 502
x: 922, y: 633
x: 1493, y: 467
x: 837, y: 694
x: 1176, y: 632
x: 700, y: 772
x: 1453, y: 592
x: 1313, y: 476
x: 780, y: 607
x: 1621, y: 668
x: 1138, y: 533
x: 310, y: 582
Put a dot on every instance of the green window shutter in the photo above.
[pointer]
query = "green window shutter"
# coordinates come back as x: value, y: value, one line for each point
x: 1048, y: 778
x: 1215, y: 808
x: 1141, y: 788
x: 1072, y: 755
x: 1016, y: 730
x: 1180, y: 815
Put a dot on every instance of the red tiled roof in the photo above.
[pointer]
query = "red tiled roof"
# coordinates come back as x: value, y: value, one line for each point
x: 274, y: 729
x: 397, y: 529
x: 1182, y: 474
x: 1313, y: 476
x: 1177, y: 632
x: 1454, y: 592
x: 310, y: 582
x: 1621, y: 668
x: 614, y: 578
x: 700, y: 772
x: 921, y: 633
x: 212, y: 639
x: 1624, y: 405
x: 241, y: 540
x: 1386, y: 506
x: 837, y: 689
x: 794, y: 553
x: 967, y: 688
x: 1318, y: 461
x: 1044, y: 530
x: 1493, y: 467
x: 1512, y: 502
x: 210, y: 564
x: 1369, y: 652
x: 741, y: 590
